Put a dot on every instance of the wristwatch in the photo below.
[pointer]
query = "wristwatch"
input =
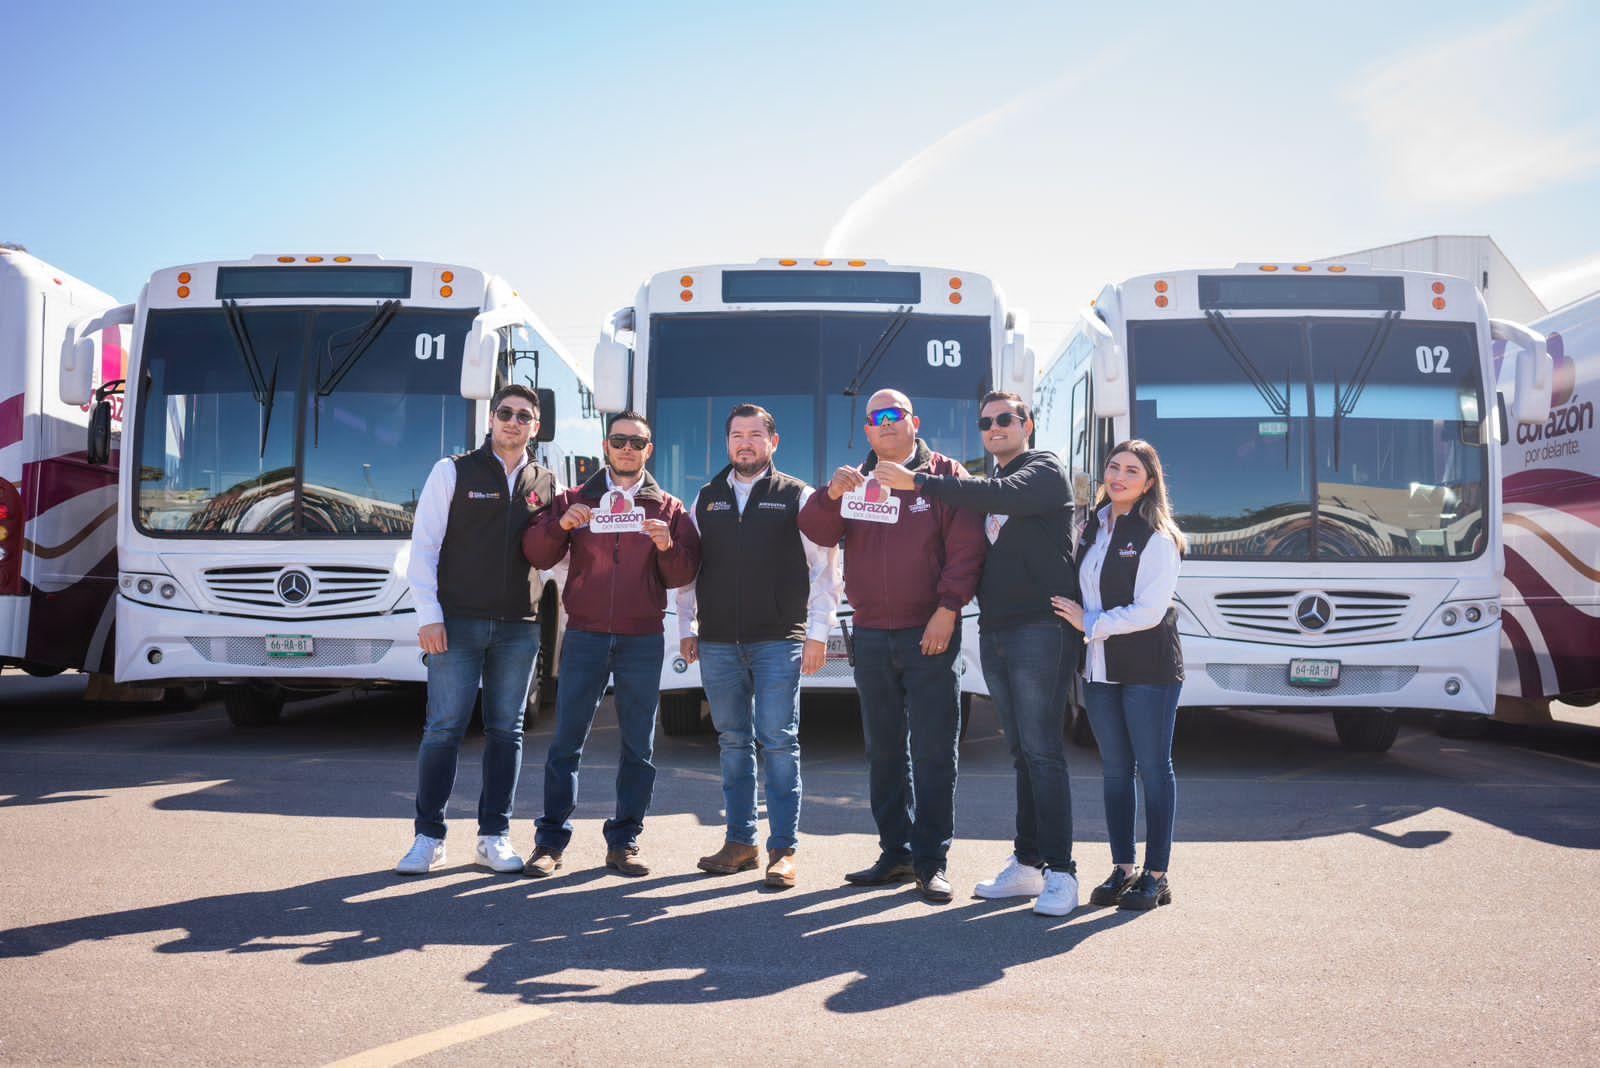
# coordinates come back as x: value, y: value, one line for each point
x: 919, y: 479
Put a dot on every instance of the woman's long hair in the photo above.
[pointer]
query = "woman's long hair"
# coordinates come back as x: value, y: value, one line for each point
x: 1155, y: 508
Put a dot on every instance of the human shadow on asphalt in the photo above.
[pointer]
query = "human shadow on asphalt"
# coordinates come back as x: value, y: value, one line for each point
x: 678, y: 939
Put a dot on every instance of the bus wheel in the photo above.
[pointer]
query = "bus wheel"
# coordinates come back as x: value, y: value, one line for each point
x: 40, y: 671
x: 1366, y: 730
x: 1461, y: 726
x: 252, y: 706
x: 1078, y: 728
x: 680, y: 712
x: 966, y: 716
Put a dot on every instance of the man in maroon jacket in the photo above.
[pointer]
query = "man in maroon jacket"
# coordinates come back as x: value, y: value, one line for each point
x: 910, y: 564
x: 627, y: 542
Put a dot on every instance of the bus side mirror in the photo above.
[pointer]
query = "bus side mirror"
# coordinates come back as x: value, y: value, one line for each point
x: 478, y: 359
x: 1082, y: 489
x: 547, y: 414
x: 80, y: 352
x: 1535, y: 371
x: 98, y: 449
x: 611, y: 363
x: 1109, y: 366
x: 1016, y: 363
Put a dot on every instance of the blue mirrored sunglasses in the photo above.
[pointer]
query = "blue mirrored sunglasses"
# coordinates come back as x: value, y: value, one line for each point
x: 887, y: 415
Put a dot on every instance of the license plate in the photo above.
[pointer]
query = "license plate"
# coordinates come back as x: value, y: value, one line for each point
x: 289, y: 645
x: 836, y: 647
x: 1314, y: 674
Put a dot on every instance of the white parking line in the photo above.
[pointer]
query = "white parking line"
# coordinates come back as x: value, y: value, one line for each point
x: 409, y: 1049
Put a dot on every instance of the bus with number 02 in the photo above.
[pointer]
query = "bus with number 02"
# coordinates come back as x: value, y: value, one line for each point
x: 1330, y: 435
x: 281, y: 415
x: 810, y: 340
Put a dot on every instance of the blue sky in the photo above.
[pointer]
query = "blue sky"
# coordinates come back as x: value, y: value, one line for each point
x: 576, y: 149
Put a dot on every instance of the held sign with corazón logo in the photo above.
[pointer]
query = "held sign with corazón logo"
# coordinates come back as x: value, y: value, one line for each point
x: 871, y: 503
x: 615, y: 514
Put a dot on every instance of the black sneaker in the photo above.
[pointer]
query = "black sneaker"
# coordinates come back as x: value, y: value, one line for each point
x: 1109, y: 891
x: 883, y: 871
x: 935, y: 887
x: 1146, y: 893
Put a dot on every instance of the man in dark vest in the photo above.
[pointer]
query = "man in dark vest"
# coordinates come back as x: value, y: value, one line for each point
x: 478, y: 620
x: 762, y: 605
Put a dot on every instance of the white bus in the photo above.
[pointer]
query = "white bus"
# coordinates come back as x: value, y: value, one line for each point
x: 58, y: 565
x: 1328, y: 434
x: 282, y: 415
x: 1551, y: 642
x: 810, y: 340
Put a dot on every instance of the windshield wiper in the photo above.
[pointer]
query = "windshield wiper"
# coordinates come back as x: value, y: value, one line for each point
x: 263, y: 391
x: 364, y: 340
x: 1344, y: 405
x: 1278, y: 402
x: 869, y: 362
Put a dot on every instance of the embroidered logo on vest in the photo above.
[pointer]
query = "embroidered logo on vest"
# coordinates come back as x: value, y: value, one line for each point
x: 479, y: 495
x: 920, y: 505
x: 779, y: 505
x: 1127, y: 552
x: 719, y: 506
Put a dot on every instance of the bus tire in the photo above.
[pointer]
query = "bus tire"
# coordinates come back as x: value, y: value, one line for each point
x: 40, y: 671
x: 966, y: 716
x: 1461, y: 726
x: 1078, y: 728
x: 252, y: 706
x: 1366, y: 730
x: 680, y: 713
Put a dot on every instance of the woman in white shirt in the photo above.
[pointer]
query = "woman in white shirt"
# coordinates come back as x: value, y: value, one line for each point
x: 1128, y: 561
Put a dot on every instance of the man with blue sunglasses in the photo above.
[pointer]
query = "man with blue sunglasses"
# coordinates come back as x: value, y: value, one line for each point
x: 910, y: 564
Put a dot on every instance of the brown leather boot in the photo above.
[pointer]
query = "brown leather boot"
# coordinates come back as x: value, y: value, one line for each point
x: 732, y: 857
x: 626, y: 862
x: 543, y: 863
x: 780, y: 868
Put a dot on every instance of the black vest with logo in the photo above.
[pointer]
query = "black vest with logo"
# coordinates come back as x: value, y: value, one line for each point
x: 1150, y: 657
x: 754, y: 581
x: 482, y: 572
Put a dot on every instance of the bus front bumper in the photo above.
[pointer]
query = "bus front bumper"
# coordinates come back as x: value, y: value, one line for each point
x: 1407, y: 674
x: 163, y: 645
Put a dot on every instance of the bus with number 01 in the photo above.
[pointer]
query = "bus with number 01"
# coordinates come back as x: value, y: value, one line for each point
x: 281, y: 415
x: 810, y: 340
x: 1330, y: 435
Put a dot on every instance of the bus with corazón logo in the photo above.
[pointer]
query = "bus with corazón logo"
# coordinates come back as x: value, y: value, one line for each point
x: 282, y: 414
x: 1329, y: 434
x: 810, y: 340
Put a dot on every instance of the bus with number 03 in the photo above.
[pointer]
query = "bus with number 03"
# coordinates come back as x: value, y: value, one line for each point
x: 1330, y: 435
x: 810, y: 340
x: 281, y: 415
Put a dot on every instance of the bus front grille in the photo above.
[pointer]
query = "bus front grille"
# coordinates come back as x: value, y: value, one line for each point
x: 329, y: 652
x: 1273, y: 680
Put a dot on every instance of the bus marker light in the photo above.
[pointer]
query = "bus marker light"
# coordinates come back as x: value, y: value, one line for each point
x: 686, y: 281
x: 1438, y: 287
x: 1301, y: 267
x: 955, y: 298
x: 686, y: 295
x: 1268, y: 267
x: 823, y: 263
x: 285, y: 259
x: 1438, y: 302
x: 183, y: 278
x: 313, y: 259
x: 955, y: 283
x: 445, y: 291
x: 1161, y: 301
x: 447, y: 276
x: 786, y: 263
x: 341, y: 259
x: 183, y: 291
x: 858, y: 263
x: 1161, y: 287
x: 1337, y: 269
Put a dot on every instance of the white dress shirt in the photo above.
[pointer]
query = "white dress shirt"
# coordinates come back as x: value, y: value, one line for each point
x: 823, y: 564
x: 1153, y: 589
x: 427, y: 536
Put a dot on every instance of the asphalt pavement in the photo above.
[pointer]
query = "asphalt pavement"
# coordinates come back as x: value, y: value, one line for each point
x: 180, y: 892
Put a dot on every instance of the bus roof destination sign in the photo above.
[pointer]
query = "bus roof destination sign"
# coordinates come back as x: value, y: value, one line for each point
x: 244, y: 283
x: 821, y: 287
x: 1227, y: 292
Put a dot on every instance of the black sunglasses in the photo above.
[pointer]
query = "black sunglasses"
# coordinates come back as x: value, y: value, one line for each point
x: 1003, y: 419
x: 508, y: 413
x: 628, y: 441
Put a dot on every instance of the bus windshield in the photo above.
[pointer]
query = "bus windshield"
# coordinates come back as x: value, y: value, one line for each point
x: 797, y: 365
x: 1317, y: 438
x: 298, y: 438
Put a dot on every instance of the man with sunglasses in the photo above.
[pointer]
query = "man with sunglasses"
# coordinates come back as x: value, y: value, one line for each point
x: 478, y: 613
x: 907, y: 574
x: 616, y: 600
x: 1029, y: 654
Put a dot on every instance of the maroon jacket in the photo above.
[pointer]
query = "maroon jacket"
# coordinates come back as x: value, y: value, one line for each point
x: 896, y: 574
x: 616, y: 583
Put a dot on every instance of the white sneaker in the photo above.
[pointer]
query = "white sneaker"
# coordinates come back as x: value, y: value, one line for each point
x: 425, y: 855
x: 495, y: 853
x: 1016, y: 879
x: 1060, y: 894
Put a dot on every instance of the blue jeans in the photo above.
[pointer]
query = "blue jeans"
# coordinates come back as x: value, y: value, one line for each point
x: 754, y: 692
x: 501, y: 653
x: 1133, y: 727
x: 633, y: 661
x: 911, y: 716
x: 1029, y: 670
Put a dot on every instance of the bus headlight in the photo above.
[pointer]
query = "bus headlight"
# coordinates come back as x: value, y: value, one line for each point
x: 162, y: 590
x: 679, y: 665
x: 1460, y: 617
